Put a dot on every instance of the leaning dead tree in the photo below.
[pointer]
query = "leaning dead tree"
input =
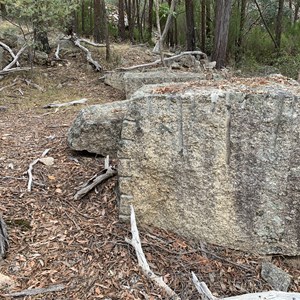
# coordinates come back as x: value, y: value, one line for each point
x: 201, y: 287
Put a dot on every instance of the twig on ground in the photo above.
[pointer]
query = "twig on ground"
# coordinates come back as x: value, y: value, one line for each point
x: 57, y: 51
x: 29, y: 82
x: 3, y: 238
x: 75, y: 102
x: 7, y: 86
x: 110, y: 172
x: 135, y: 242
x: 91, y: 43
x: 159, y: 61
x: 32, y: 292
x: 29, y: 171
x: 202, y: 288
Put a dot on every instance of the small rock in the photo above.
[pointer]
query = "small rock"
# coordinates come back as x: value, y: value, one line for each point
x: 3, y: 108
x: 276, y: 277
x: 5, y: 281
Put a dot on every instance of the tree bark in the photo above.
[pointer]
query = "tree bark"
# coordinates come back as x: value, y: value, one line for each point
x: 150, y: 18
x: 163, y: 36
x: 203, y: 25
x: 99, y: 21
x: 278, y: 24
x: 240, y: 40
x: 190, y: 25
x: 223, y: 9
x: 121, y: 20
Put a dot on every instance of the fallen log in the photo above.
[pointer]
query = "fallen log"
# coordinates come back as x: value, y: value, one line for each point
x: 14, y: 61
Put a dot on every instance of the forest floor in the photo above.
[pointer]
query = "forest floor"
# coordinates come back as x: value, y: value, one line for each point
x: 81, y: 244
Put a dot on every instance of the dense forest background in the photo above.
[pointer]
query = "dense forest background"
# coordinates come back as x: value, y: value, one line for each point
x: 257, y: 36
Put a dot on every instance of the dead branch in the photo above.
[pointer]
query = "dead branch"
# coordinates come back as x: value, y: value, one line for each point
x: 31, y: 292
x: 7, y: 48
x: 91, y: 43
x: 29, y: 171
x: 7, y: 86
x: 12, y: 70
x: 105, y: 174
x: 158, y: 62
x: 270, y: 295
x: 75, y: 102
x: 88, y: 55
x: 29, y: 82
x: 3, y: 238
x: 135, y: 242
x: 15, y: 58
x: 202, y: 288
x: 57, y: 51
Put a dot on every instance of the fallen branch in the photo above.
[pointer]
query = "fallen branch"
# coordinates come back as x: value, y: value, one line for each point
x: 136, y: 244
x: 15, y: 58
x: 105, y: 174
x: 270, y: 295
x: 88, y: 55
x: 12, y: 70
x: 57, y: 51
x: 159, y: 61
x: 29, y: 171
x: 91, y: 43
x: 29, y: 82
x: 7, y: 86
x: 3, y: 238
x: 7, y: 48
x: 32, y: 292
x: 75, y: 102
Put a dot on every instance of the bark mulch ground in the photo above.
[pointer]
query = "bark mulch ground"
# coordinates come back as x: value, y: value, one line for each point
x: 81, y: 244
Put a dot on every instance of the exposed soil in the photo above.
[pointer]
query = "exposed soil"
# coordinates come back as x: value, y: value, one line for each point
x: 81, y: 244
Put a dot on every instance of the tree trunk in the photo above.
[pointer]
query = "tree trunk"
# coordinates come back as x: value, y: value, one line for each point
x: 203, y: 25
x: 297, y: 6
x: 150, y: 18
x: 223, y: 9
x: 190, y: 25
x: 278, y: 24
x: 163, y: 36
x: 121, y: 20
x: 240, y: 40
x: 99, y: 21
x: 82, y: 17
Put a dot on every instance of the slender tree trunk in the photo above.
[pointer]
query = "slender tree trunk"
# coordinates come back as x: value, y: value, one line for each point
x: 121, y: 20
x: 223, y: 9
x: 208, y: 19
x: 278, y: 24
x: 83, y: 17
x: 99, y: 21
x: 240, y: 40
x: 190, y: 25
x: 297, y: 6
x: 163, y: 36
x: 150, y: 18
x: 203, y: 25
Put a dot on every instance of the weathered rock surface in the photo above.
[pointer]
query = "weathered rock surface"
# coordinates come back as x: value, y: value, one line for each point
x: 218, y: 162
x: 97, y: 128
x: 132, y: 81
x: 276, y: 277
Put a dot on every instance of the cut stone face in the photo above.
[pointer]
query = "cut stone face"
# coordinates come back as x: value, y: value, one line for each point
x: 215, y: 164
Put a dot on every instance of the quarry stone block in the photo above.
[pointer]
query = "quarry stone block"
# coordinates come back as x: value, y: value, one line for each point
x: 218, y: 162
